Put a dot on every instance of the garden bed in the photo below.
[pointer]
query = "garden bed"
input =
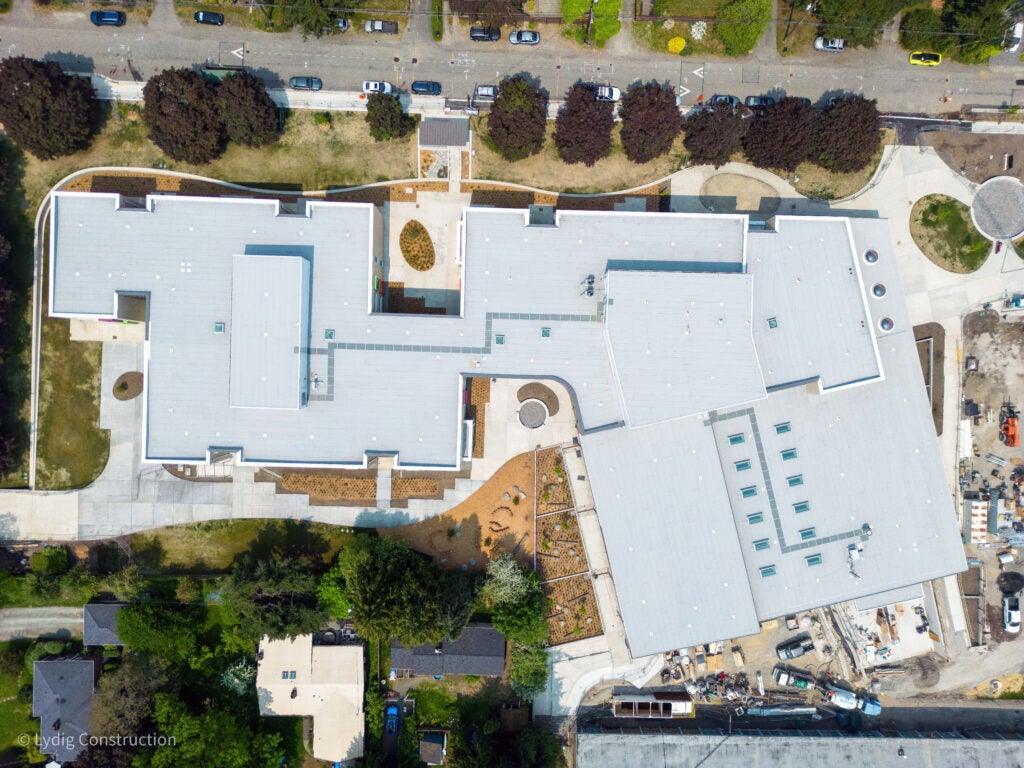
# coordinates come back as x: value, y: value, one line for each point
x: 572, y: 609
x: 942, y: 229
x: 553, y: 491
x: 479, y: 396
x: 560, y: 549
x: 354, y: 487
x: 417, y: 247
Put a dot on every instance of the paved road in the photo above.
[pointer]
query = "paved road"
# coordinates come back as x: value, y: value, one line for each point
x: 33, y: 622
x: 142, y: 48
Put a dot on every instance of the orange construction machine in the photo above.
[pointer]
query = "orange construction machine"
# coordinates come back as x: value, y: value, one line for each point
x: 1008, y: 426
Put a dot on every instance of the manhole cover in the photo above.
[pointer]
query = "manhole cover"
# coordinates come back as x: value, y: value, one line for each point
x: 532, y: 414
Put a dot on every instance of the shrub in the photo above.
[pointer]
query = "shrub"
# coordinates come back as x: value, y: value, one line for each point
x: 741, y: 23
x: 386, y: 119
x: 518, y: 119
x: 528, y: 670
x: 650, y: 122
x: 583, y: 128
x: 52, y: 561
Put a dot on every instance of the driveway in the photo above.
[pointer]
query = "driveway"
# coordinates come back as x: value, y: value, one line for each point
x: 33, y: 622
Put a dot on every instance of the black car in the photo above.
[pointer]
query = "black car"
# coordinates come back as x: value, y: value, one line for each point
x: 209, y: 17
x: 306, y: 83
x: 426, y: 87
x: 108, y: 18
x: 485, y: 34
x: 759, y: 102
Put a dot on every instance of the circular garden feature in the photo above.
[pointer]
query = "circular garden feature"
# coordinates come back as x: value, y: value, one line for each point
x: 942, y: 229
x: 417, y: 247
x: 532, y: 414
x: 128, y: 385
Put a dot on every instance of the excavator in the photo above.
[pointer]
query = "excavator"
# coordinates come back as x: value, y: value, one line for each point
x: 1008, y: 426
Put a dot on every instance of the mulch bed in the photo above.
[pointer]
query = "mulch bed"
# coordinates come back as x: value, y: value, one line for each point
x: 537, y: 391
x: 572, y: 609
x: 351, y: 487
x: 559, y: 546
x: 417, y: 247
x: 479, y: 396
x: 128, y: 385
x: 553, y: 492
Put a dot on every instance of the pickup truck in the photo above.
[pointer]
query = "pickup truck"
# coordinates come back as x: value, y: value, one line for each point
x: 385, y: 27
x: 794, y: 678
x: 794, y: 649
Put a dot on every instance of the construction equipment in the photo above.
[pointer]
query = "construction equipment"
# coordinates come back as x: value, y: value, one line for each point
x: 1008, y: 426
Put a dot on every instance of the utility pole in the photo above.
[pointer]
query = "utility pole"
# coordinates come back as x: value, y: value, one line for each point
x: 590, y: 22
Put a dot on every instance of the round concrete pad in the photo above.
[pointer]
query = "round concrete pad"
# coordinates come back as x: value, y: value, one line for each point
x: 998, y: 208
x: 533, y: 414
x: 730, y: 192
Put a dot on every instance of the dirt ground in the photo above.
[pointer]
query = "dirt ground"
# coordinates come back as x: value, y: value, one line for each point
x: 978, y: 156
x: 487, y: 524
x: 1011, y: 683
x: 561, y: 548
x: 999, y: 347
x: 931, y: 351
x: 814, y: 181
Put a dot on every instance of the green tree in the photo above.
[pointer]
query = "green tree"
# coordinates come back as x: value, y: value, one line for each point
x: 213, y: 737
x: 741, y: 23
x: 182, y: 115
x: 394, y: 591
x: 386, y: 119
x: 46, y: 112
x: 651, y: 121
x: 276, y: 598
x: 249, y: 115
x: 517, y: 121
x: 583, y: 128
x: 979, y: 25
x: 51, y: 561
x: 713, y: 135
x: 126, y: 584
x: 166, y: 631
x: 506, y: 581
x: 534, y: 747
x: 459, y: 591
x: 849, y: 134
x: 332, y: 595
x: 782, y: 136
x: 859, y: 22
x: 922, y: 29
x: 524, y: 621
x: 528, y: 671
x: 313, y: 16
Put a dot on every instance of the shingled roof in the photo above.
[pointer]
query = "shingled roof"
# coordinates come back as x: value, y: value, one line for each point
x: 100, y: 624
x: 62, y: 699
x: 480, y: 650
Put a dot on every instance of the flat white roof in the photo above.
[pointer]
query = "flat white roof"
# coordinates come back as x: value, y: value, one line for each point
x: 269, y: 331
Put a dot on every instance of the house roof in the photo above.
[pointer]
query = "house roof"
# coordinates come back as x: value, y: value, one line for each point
x: 432, y: 747
x: 100, y: 624
x: 444, y: 132
x: 62, y: 700
x: 480, y: 650
x: 325, y: 682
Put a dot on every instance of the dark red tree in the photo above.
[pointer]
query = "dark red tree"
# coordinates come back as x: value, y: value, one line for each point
x: 518, y: 119
x: 849, y: 135
x: 249, y: 115
x: 782, y: 136
x: 182, y: 115
x: 651, y: 121
x: 713, y: 135
x: 583, y: 128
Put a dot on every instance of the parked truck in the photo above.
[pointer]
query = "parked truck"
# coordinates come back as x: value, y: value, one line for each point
x: 793, y: 678
x: 384, y: 27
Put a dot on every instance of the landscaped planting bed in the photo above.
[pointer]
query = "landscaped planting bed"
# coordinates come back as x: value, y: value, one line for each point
x: 331, y: 486
x: 553, y: 491
x: 417, y: 247
x: 572, y: 609
x: 559, y: 546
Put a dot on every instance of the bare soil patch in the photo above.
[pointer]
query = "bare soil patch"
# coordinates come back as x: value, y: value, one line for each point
x: 978, y: 156
x: 572, y: 609
x: 560, y: 548
x: 128, y: 385
x: 487, y: 524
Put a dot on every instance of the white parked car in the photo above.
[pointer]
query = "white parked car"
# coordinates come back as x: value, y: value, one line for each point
x: 376, y: 86
x: 1013, y: 36
x: 1011, y: 613
x: 833, y: 46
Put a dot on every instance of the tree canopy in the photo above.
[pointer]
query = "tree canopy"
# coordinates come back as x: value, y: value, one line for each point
x: 858, y: 22
x: 273, y: 597
x: 528, y: 671
x: 247, y: 111
x: 849, y: 134
x: 314, y: 16
x: 741, y: 23
x: 524, y: 620
x: 167, y: 631
x: 44, y: 111
x: 971, y: 30
x: 182, y: 115
x: 386, y: 119
x: 782, y: 136
x: 583, y: 128
x: 651, y: 121
x: 713, y: 135
x: 518, y: 118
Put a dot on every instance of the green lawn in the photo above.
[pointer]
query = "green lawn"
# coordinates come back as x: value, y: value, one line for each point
x: 214, y: 546
x: 606, y: 20
x: 656, y: 34
x: 15, y: 717
x: 795, y: 30
x: 942, y: 229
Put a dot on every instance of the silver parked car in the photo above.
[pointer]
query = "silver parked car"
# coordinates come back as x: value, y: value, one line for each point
x: 524, y: 37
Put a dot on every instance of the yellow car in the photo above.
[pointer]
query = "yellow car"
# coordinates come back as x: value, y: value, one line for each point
x: 925, y: 58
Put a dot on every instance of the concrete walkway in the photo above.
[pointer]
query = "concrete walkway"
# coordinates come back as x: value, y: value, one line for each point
x: 33, y: 622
